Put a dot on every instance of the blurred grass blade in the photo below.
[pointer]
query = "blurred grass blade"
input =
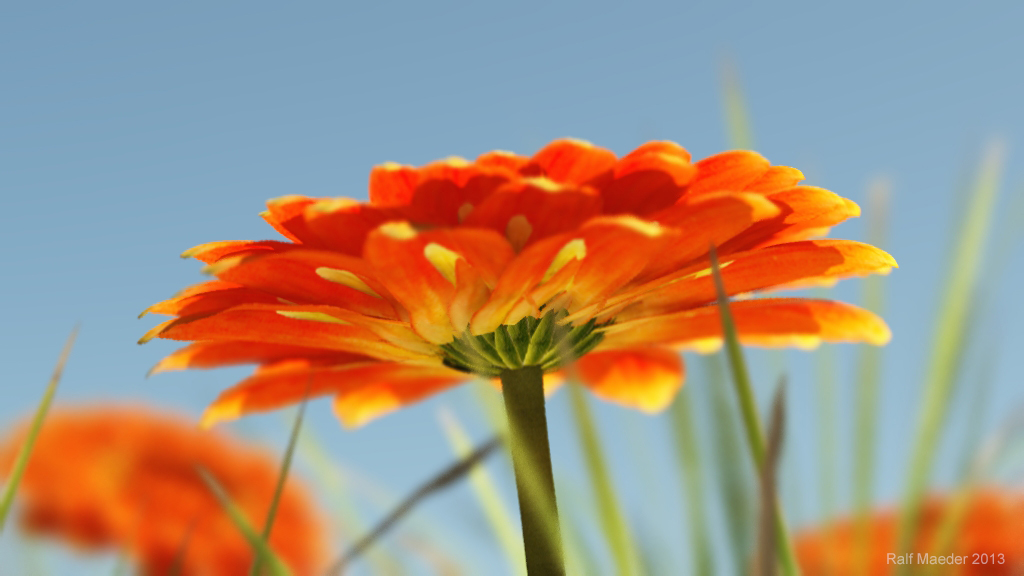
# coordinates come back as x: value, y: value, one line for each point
x: 958, y: 508
x: 949, y: 338
x: 451, y: 474
x: 178, y: 562
x: 734, y: 474
x: 580, y: 558
x: 868, y: 375
x: 259, y: 546
x: 736, y: 118
x: 121, y: 568
x: 767, y: 530
x: 613, y: 524
x: 497, y: 514
x: 282, y: 476
x: 21, y: 462
x: 690, y: 467
x: 748, y: 409
x: 330, y: 476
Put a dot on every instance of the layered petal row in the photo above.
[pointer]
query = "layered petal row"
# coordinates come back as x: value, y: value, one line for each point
x: 461, y: 269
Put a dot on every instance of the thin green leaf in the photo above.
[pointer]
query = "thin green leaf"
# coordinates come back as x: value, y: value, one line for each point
x: 949, y: 338
x: 178, y: 562
x: 748, y: 409
x: 487, y: 495
x: 448, y: 476
x: 282, y: 476
x: 767, y: 530
x: 985, y: 455
x: 734, y: 475
x: 21, y: 462
x: 682, y: 419
x: 259, y: 546
x: 580, y: 557
x: 121, y: 568
x: 335, y: 482
x: 613, y: 523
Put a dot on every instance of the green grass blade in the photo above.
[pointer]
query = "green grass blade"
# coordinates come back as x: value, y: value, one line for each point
x: 178, y: 561
x: 748, y: 409
x: 21, y: 462
x: 767, y: 529
x: 259, y: 546
x: 580, y: 557
x: 869, y: 369
x: 337, y: 486
x: 282, y: 478
x: 121, y: 568
x: 439, y: 482
x: 613, y: 523
x: 736, y: 118
x: 681, y: 415
x: 734, y: 474
x: 487, y: 495
x: 949, y: 338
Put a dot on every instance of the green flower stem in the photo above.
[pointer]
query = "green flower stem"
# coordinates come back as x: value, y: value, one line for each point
x: 523, y: 391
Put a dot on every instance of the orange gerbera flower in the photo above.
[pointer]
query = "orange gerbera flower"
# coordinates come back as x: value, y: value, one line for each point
x: 464, y: 268
x: 990, y: 540
x: 127, y: 478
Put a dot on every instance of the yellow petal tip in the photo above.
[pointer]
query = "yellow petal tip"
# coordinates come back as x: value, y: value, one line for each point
x: 221, y: 411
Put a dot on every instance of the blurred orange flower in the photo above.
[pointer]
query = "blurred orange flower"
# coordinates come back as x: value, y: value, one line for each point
x: 126, y: 478
x: 990, y: 540
x: 464, y: 268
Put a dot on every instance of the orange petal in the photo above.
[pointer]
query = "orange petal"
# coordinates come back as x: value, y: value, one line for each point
x: 570, y: 161
x: 733, y: 170
x: 370, y: 401
x: 210, y: 297
x: 295, y: 276
x: 525, y: 273
x: 618, y: 248
x: 774, y: 179
x: 661, y: 147
x: 706, y: 220
x: 503, y: 160
x: 799, y: 322
x: 287, y: 383
x: 323, y: 327
x: 539, y: 207
x: 342, y: 224
x: 647, y: 180
x: 285, y: 214
x: 392, y: 184
x: 643, y: 378
x: 217, y: 354
x: 421, y: 271
x: 784, y: 264
x: 804, y: 210
x: 211, y: 252
x: 448, y: 190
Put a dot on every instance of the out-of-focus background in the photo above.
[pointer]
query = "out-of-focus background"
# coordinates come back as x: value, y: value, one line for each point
x: 131, y: 132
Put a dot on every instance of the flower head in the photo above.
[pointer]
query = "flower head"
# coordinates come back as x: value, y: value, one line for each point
x: 991, y: 528
x: 459, y: 268
x: 127, y: 478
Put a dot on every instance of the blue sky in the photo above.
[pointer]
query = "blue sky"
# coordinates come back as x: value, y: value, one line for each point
x: 130, y: 132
